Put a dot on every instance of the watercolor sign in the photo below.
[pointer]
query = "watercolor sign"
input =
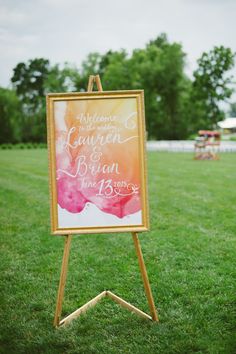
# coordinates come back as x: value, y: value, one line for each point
x: 97, y: 162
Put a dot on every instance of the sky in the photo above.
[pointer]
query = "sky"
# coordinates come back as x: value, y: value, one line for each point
x: 68, y: 30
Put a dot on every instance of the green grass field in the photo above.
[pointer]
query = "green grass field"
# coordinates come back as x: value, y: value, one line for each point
x: 190, y: 254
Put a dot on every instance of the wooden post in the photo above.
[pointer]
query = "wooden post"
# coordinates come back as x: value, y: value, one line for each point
x: 90, y: 83
x: 98, y: 83
x: 143, y: 271
x: 62, y: 282
x: 92, y: 79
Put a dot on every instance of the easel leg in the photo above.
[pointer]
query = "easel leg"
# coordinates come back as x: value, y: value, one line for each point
x: 143, y: 271
x: 62, y: 282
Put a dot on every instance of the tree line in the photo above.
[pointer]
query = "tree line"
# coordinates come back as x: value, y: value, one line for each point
x: 176, y: 106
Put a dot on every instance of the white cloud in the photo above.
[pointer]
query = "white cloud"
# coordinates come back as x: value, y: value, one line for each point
x: 67, y: 30
x: 9, y: 17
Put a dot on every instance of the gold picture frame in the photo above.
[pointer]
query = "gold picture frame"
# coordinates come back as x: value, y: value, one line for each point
x: 93, y: 135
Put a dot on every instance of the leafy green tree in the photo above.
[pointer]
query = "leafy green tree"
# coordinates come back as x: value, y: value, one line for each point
x: 116, y: 71
x: 211, y: 86
x: 28, y: 79
x: 10, y: 117
x: 159, y: 70
x: 160, y: 67
x: 32, y: 81
x: 61, y: 79
x: 175, y: 106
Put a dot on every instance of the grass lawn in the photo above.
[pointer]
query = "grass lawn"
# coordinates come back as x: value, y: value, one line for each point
x: 190, y: 254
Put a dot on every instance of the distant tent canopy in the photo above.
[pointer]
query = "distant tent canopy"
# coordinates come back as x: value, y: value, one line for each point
x: 228, y: 123
x: 209, y: 133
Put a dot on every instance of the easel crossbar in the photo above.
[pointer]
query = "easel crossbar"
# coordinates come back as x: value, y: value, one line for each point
x: 96, y: 299
x: 82, y: 309
x: 127, y: 305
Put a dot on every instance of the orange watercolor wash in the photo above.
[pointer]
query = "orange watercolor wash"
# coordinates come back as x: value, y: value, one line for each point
x: 97, y: 157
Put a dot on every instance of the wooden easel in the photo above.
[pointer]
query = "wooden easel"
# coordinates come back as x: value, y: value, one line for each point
x: 119, y: 300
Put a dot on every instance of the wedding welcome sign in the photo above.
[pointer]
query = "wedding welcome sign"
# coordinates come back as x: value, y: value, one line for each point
x: 97, y: 162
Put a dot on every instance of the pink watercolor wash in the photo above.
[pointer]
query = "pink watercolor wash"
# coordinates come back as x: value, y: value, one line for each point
x: 103, y: 192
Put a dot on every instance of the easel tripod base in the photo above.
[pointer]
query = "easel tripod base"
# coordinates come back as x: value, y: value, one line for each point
x: 95, y: 300
x: 105, y: 293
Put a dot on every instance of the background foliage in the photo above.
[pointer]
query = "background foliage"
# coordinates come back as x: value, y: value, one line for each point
x: 176, y: 106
